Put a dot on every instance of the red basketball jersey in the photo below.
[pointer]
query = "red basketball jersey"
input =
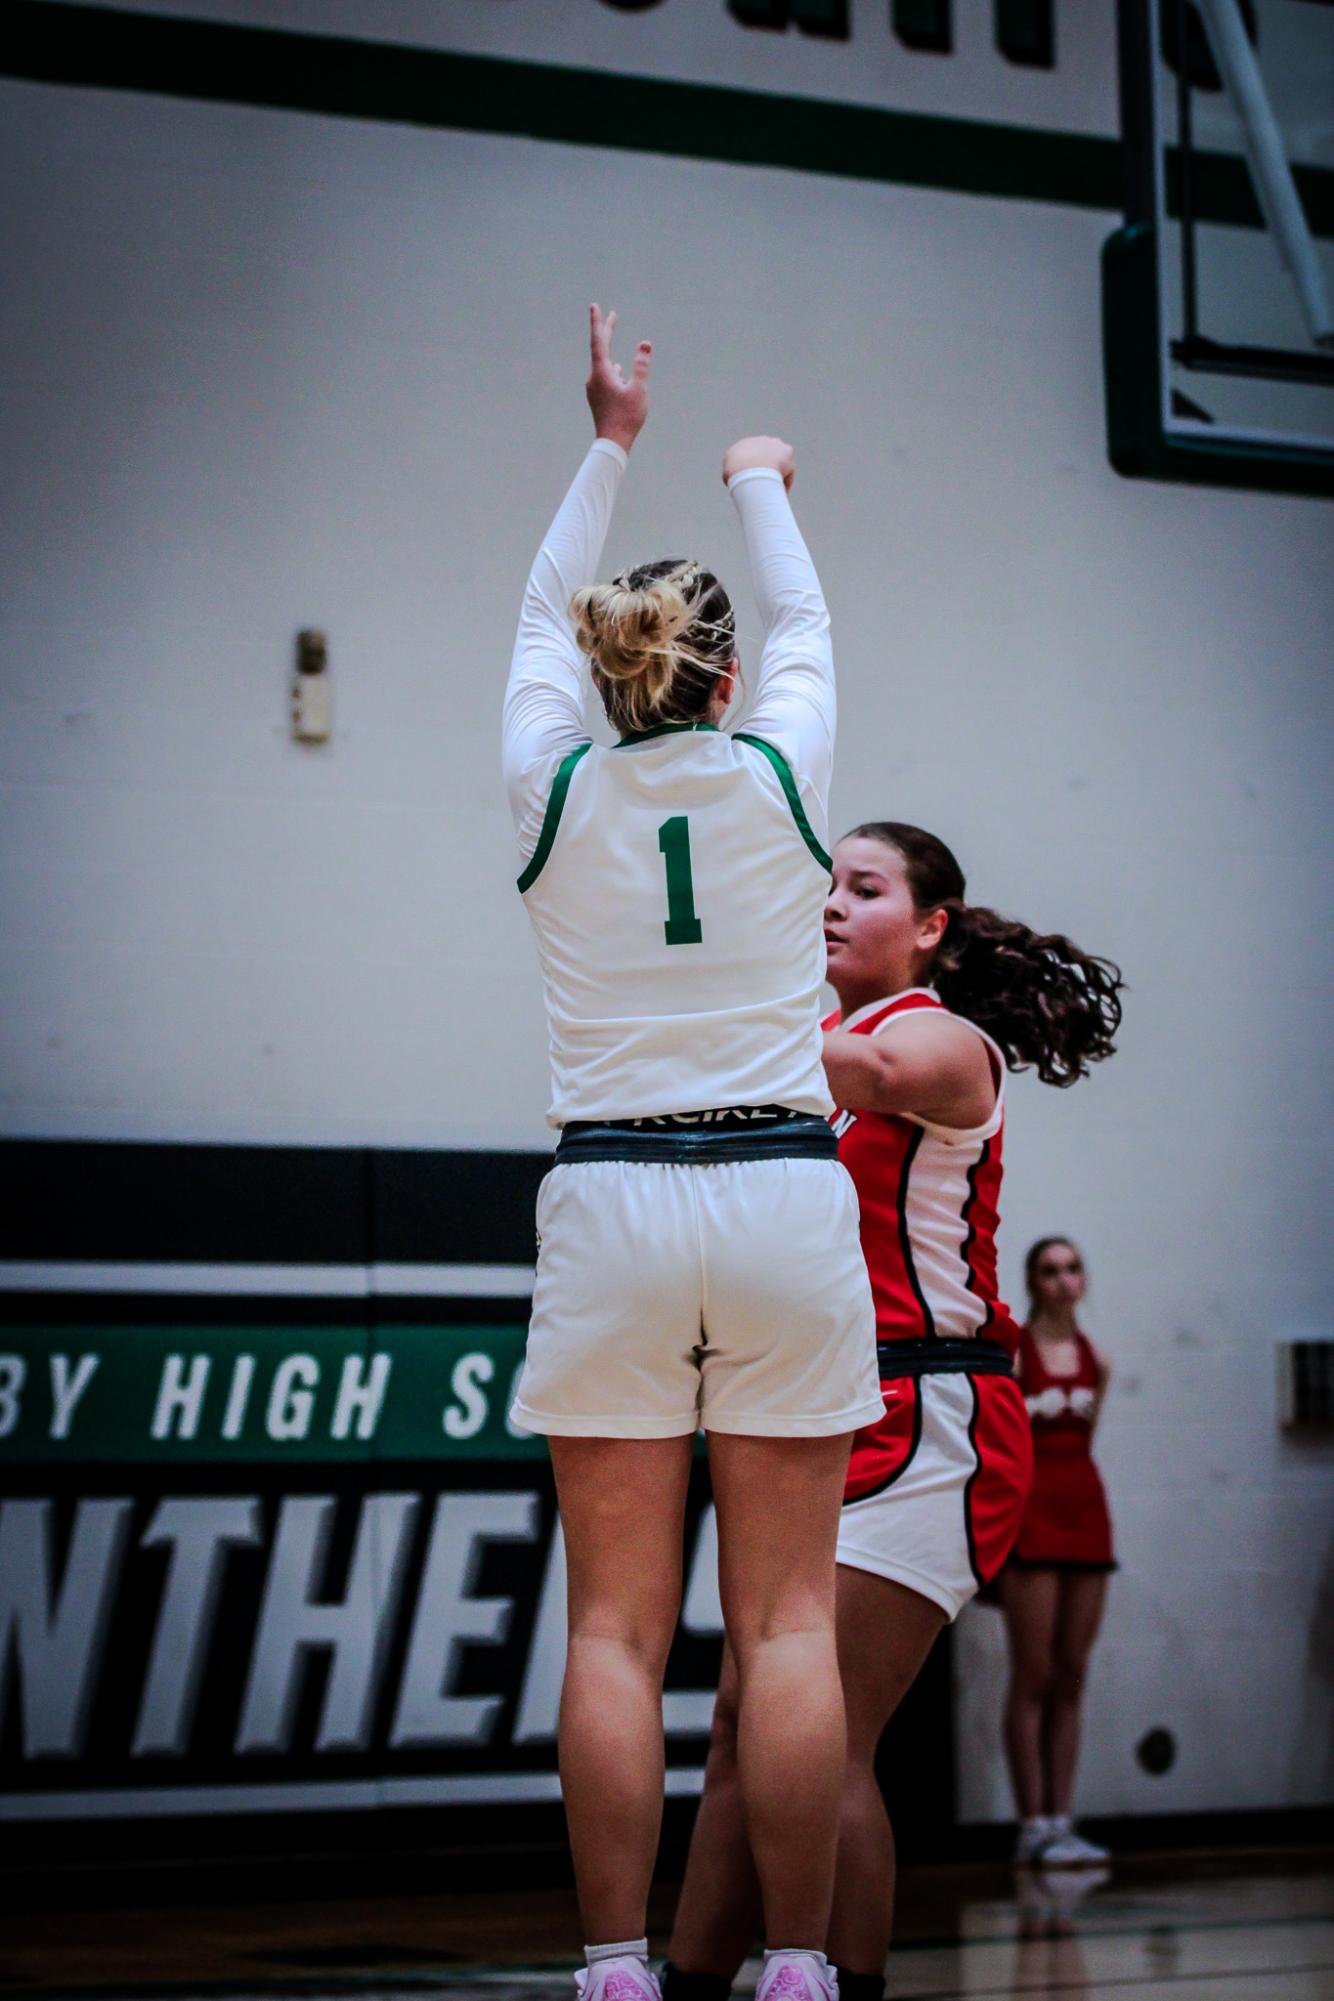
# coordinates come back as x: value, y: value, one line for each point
x: 929, y: 1198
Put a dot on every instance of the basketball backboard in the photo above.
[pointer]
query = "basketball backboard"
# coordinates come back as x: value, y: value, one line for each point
x: 1218, y: 293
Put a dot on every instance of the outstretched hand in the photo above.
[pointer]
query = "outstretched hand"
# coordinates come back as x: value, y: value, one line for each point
x: 619, y: 407
x: 772, y: 453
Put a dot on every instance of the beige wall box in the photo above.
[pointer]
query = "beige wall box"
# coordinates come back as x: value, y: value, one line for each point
x: 312, y: 693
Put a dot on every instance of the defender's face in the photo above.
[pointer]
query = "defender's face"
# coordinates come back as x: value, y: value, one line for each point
x: 872, y: 928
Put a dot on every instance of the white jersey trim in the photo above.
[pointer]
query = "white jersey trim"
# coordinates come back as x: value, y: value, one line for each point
x: 948, y: 1135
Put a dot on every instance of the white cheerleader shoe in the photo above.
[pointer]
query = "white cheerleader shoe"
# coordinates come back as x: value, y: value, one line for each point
x: 1066, y: 1849
x: 1034, y: 1835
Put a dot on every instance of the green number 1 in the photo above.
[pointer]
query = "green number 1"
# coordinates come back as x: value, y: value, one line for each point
x: 682, y: 926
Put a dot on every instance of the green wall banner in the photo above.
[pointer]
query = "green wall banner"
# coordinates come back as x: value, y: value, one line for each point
x: 269, y: 1544
x: 201, y: 1394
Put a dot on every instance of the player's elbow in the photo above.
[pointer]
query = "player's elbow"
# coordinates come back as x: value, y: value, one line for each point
x: 885, y: 1084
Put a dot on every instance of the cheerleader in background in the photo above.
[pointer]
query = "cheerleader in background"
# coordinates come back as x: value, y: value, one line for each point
x: 1054, y: 1587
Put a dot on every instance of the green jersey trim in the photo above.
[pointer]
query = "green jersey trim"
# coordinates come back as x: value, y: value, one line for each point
x: 789, y: 784
x: 664, y: 729
x: 560, y: 785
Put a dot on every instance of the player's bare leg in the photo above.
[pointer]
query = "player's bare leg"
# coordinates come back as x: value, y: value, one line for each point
x: 622, y: 1504
x: 719, y: 1914
x: 885, y: 1633
x: 778, y: 1506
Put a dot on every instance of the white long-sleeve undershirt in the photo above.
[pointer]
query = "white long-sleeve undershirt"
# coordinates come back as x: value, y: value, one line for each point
x: 792, y: 702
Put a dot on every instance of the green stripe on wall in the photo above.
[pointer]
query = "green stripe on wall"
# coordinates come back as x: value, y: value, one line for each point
x: 104, y: 48
x: 443, y: 1394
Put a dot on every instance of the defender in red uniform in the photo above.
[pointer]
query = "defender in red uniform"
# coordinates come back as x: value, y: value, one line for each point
x: 934, y: 1489
x: 938, y: 998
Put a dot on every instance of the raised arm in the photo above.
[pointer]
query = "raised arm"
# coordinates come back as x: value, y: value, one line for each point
x: 544, y: 697
x: 792, y: 701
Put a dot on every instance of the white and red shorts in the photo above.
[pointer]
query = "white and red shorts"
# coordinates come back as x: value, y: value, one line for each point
x: 936, y: 1487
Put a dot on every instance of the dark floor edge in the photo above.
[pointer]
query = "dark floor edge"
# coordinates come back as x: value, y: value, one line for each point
x: 1153, y: 1833
x: 274, y: 1863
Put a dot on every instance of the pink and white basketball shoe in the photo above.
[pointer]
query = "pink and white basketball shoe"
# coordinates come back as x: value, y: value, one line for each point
x: 797, y: 1976
x: 627, y: 1978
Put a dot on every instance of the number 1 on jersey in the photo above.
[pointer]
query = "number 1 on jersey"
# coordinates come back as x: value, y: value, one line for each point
x: 682, y: 926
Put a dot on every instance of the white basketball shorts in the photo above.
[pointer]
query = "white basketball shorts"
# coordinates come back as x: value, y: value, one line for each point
x: 670, y: 1296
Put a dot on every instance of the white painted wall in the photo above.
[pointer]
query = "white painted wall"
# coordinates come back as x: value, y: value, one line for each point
x: 263, y: 371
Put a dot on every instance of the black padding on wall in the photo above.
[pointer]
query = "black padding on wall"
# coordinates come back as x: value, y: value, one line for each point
x: 77, y: 1201
x: 456, y: 1208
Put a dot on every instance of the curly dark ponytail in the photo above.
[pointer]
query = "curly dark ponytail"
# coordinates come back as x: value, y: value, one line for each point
x: 1041, y: 1000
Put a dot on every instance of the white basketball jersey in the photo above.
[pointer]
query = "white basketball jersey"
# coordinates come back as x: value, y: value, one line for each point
x: 677, y: 891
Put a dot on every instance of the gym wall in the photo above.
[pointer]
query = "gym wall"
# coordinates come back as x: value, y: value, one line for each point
x: 267, y: 369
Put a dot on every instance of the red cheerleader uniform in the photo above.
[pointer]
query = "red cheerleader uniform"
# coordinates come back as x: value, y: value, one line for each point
x: 1066, y: 1525
x: 935, y: 1489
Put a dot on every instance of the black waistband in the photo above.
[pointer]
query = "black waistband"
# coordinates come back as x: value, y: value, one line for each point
x: 733, y: 1132
x: 935, y: 1358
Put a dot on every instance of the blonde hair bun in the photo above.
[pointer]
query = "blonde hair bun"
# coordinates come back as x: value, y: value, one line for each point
x: 658, y: 636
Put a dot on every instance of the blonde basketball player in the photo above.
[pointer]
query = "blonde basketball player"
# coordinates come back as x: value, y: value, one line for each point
x: 700, y: 1262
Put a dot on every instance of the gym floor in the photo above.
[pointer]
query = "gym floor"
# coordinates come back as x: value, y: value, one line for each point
x: 1197, y: 1927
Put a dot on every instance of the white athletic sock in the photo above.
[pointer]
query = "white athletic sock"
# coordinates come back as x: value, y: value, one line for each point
x: 627, y: 1948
